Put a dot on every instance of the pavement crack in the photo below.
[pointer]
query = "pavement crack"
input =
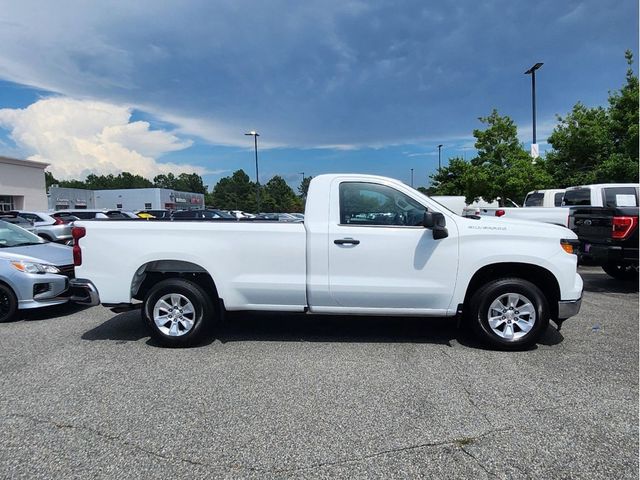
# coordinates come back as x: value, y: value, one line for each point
x: 478, y: 462
x: 458, y: 443
x: 110, y: 437
x: 470, y: 399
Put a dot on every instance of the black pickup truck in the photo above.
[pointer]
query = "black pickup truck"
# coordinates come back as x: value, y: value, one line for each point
x: 609, y: 238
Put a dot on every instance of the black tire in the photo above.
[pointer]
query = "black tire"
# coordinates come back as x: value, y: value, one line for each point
x: 496, y: 290
x: 628, y: 273
x: 203, y: 316
x: 8, y: 303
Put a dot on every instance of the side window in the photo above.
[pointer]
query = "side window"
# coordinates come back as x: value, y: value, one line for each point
x: 620, y: 197
x: 372, y: 204
x: 557, y: 199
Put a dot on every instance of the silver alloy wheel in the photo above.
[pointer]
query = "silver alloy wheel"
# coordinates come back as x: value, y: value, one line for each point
x: 174, y: 314
x: 511, y: 316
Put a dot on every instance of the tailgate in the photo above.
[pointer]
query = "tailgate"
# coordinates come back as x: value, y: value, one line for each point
x: 592, y: 224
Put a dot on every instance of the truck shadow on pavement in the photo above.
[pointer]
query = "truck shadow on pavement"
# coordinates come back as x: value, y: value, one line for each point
x: 47, y: 313
x: 269, y: 327
x: 600, y: 282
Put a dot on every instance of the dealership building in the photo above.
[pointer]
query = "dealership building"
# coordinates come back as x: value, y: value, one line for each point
x: 22, y: 185
x: 132, y: 199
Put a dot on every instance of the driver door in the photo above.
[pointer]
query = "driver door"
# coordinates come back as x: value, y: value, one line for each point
x: 380, y: 255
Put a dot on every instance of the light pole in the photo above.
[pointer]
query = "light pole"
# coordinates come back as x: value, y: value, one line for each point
x: 532, y: 72
x: 301, y: 173
x: 255, y: 136
x: 439, y: 152
x: 412, y: 178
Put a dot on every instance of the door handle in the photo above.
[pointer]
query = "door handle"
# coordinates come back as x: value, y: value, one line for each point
x: 346, y: 241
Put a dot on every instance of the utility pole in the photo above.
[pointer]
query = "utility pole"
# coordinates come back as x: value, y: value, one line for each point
x: 255, y: 136
x: 532, y: 71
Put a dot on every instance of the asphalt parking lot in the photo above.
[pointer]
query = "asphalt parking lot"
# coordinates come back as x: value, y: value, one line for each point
x: 85, y: 394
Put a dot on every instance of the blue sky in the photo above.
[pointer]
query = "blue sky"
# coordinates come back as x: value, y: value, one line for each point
x: 332, y: 86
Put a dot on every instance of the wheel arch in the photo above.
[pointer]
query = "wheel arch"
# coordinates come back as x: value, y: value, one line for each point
x: 155, y: 271
x: 542, y: 278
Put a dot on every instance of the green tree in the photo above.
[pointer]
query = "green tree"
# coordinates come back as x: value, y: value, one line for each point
x: 503, y: 169
x: 279, y: 197
x: 236, y: 192
x: 581, y: 142
x: 168, y: 180
x: 191, y: 182
x: 452, y: 179
x: 303, y: 189
x: 593, y: 145
x: 49, y: 180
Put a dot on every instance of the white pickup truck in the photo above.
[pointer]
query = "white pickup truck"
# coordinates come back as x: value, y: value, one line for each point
x: 368, y: 246
x: 539, y: 206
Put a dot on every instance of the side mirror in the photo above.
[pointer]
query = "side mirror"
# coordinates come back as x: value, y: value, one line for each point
x: 437, y: 223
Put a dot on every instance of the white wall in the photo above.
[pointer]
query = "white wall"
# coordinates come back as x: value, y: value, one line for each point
x: 23, y: 180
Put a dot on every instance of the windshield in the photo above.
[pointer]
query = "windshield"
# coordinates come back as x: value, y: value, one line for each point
x: 13, y: 236
x: 577, y: 196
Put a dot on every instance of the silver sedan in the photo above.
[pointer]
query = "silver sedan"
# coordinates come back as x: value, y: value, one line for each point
x: 33, y: 272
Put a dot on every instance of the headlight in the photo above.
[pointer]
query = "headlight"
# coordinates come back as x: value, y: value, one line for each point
x: 570, y: 245
x: 31, y: 267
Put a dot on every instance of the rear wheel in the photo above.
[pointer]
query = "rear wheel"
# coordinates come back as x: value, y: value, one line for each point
x: 621, y: 272
x: 509, y: 313
x: 177, y: 312
x: 8, y: 303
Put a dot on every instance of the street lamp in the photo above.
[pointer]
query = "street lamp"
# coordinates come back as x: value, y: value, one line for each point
x: 255, y: 136
x: 301, y: 173
x: 412, y: 178
x: 439, y: 152
x: 532, y: 72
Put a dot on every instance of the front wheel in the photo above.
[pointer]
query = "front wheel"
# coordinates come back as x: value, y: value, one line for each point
x: 621, y: 272
x: 509, y: 313
x: 177, y: 312
x: 8, y: 303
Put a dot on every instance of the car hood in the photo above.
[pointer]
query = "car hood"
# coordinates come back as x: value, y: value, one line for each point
x: 49, y: 253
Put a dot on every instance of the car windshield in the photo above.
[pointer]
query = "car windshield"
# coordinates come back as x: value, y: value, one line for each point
x: 13, y: 236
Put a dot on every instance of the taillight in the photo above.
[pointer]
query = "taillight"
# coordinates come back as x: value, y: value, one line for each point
x: 622, y: 227
x: 77, y: 233
x: 500, y: 213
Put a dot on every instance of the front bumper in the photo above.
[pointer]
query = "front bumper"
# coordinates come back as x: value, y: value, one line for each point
x: 40, y: 290
x: 568, y: 308
x: 84, y: 291
x: 603, y: 254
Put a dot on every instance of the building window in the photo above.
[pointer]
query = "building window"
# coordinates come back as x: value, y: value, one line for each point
x: 6, y: 203
x: 147, y: 206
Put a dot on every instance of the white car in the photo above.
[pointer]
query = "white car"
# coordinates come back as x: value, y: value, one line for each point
x: 48, y: 227
x: 368, y: 246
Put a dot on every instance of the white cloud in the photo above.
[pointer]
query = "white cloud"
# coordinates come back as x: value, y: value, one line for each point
x: 78, y: 137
